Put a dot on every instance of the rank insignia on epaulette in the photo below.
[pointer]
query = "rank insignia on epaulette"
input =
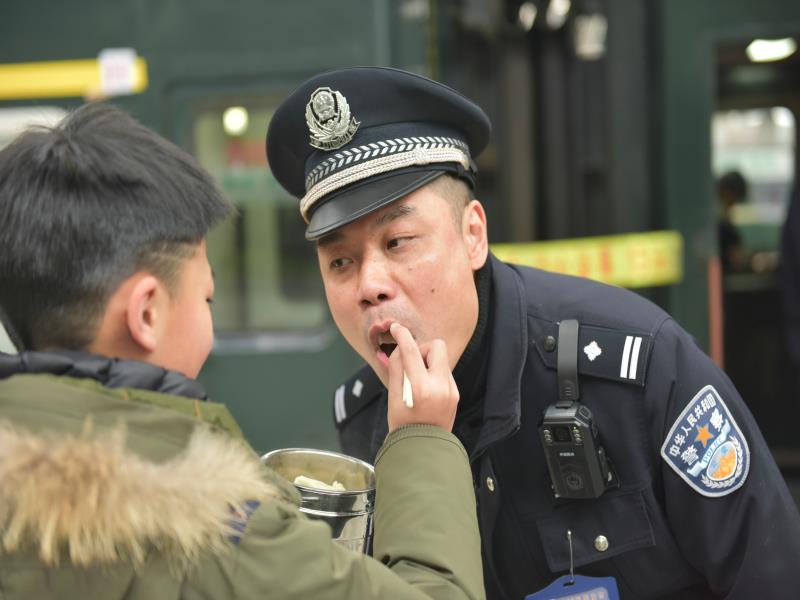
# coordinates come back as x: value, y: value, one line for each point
x: 592, y: 350
x: 614, y: 354
x: 339, y: 399
x: 609, y: 353
x: 706, y: 448
x: 339, y: 409
x: 355, y: 394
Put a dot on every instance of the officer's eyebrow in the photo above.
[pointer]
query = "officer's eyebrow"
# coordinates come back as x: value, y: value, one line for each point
x: 401, y: 210
x: 395, y: 212
x: 329, y: 239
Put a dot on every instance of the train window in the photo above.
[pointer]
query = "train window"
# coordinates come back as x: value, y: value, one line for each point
x: 267, y: 277
x: 756, y: 146
x: 14, y: 121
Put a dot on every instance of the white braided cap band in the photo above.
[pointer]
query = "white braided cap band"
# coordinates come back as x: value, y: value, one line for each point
x: 419, y: 155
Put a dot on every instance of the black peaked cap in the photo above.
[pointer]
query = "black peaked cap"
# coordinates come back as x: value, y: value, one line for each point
x: 381, y: 132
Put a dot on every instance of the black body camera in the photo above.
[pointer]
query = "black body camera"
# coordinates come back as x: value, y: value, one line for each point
x: 576, y: 461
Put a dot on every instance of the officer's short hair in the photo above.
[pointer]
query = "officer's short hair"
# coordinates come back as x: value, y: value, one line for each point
x: 83, y: 206
x: 457, y: 193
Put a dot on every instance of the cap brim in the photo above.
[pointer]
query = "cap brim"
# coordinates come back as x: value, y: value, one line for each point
x: 357, y: 200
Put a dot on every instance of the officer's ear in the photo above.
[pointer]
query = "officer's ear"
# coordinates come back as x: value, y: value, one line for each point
x: 473, y: 228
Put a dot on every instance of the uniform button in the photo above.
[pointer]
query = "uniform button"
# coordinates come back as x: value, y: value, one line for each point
x: 490, y: 484
x: 549, y: 343
x: 601, y: 543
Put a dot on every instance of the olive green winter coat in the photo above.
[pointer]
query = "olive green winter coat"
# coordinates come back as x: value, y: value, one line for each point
x: 110, y: 494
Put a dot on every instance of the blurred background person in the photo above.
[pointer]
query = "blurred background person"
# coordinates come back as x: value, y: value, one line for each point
x: 731, y: 190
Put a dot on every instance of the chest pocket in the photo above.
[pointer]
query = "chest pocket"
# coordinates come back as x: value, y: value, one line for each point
x: 601, y: 529
x: 622, y: 534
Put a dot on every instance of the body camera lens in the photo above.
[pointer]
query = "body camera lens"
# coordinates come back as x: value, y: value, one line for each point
x: 561, y: 434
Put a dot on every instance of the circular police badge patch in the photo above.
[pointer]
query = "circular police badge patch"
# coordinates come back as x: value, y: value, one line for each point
x: 330, y: 124
x: 706, y: 448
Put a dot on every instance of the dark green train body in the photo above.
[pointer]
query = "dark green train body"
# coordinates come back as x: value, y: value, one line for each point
x: 602, y: 125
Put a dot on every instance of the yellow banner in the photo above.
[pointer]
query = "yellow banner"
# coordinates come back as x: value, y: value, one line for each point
x: 632, y: 260
x: 62, y: 79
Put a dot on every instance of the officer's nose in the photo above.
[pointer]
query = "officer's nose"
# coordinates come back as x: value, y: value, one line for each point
x: 376, y: 284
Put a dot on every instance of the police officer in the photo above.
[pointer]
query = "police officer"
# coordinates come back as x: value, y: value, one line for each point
x: 691, y: 503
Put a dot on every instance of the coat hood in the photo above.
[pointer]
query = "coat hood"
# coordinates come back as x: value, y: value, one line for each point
x: 111, y: 372
x: 91, y: 500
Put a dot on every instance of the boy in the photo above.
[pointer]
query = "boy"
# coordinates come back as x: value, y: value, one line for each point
x: 117, y: 479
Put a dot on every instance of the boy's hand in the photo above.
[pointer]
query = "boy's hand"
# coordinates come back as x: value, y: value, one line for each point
x: 434, y: 389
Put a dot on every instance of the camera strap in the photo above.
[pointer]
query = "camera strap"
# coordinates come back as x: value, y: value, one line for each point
x: 568, y: 388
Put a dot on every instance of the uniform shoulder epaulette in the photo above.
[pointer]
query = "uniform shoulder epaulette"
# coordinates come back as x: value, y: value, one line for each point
x: 617, y: 354
x: 355, y: 394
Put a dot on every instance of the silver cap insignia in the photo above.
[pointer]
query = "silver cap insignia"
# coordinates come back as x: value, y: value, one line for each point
x: 328, y: 118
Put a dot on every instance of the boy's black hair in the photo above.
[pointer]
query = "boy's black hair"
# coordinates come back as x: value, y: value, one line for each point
x: 83, y: 206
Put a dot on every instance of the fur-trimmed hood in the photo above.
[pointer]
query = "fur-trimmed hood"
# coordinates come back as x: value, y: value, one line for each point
x: 90, y: 499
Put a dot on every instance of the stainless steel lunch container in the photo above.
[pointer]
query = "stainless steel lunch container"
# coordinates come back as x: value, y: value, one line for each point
x: 349, y: 513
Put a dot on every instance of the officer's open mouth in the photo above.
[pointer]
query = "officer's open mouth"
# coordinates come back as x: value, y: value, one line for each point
x: 386, y: 343
x: 382, y: 341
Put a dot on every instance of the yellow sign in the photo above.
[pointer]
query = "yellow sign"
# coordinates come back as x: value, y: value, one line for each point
x: 66, y: 78
x: 632, y: 260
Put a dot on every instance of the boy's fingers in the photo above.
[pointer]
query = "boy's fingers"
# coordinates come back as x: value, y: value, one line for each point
x: 395, y: 375
x: 436, y: 357
x: 410, y: 355
x: 454, y: 389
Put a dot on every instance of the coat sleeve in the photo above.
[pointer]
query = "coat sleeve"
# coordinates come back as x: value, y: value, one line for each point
x: 426, y: 537
x: 740, y: 540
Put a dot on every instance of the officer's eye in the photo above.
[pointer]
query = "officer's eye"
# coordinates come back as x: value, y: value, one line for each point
x: 339, y: 263
x: 395, y: 242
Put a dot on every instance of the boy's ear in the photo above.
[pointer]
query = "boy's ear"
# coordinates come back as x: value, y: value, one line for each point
x: 475, y: 234
x: 145, y: 312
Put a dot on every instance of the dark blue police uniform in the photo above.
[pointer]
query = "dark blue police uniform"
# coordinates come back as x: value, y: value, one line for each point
x: 659, y: 536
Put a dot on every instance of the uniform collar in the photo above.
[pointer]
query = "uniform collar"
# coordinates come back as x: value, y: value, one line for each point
x: 509, y: 343
x: 111, y: 372
x: 469, y: 367
x: 471, y: 371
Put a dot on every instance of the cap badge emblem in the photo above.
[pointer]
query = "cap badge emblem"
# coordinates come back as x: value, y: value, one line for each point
x: 330, y: 124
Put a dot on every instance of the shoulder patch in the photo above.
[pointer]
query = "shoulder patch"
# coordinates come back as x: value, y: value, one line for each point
x: 706, y: 448
x: 355, y: 394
